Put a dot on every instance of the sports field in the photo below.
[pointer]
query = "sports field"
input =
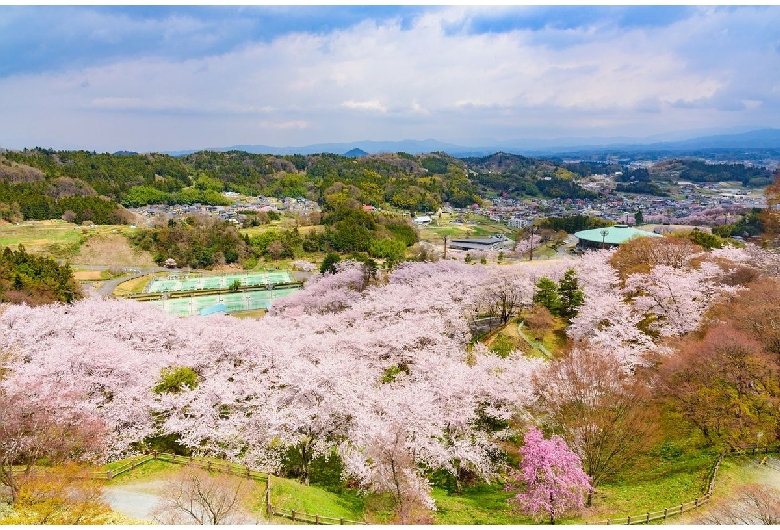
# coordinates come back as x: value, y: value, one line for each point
x: 246, y: 301
x: 181, y: 282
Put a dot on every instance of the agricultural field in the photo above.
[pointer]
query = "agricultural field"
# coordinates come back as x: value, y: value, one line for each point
x: 55, y: 237
x: 98, y: 245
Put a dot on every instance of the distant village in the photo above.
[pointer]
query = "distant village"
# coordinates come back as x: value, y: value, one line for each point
x: 231, y: 213
x: 515, y: 213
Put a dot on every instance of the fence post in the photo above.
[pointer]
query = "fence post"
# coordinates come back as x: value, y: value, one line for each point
x: 109, y: 475
x: 608, y: 521
x: 696, y: 502
x: 209, y: 465
x: 681, y: 508
x: 341, y: 521
x: 154, y: 454
x: 268, y: 494
x: 293, y: 515
x: 665, y: 509
x: 316, y: 519
x: 648, y: 517
x: 628, y: 520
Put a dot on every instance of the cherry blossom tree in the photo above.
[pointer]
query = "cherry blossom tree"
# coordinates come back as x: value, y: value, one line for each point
x: 344, y: 363
x: 550, y: 476
x: 38, y: 421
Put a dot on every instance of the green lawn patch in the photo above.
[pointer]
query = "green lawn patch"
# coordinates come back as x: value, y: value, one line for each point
x: 288, y: 494
x: 482, y: 504
x: 664, y: 485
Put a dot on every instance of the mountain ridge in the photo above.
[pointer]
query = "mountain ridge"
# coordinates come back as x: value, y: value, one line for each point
x: 767, y: 138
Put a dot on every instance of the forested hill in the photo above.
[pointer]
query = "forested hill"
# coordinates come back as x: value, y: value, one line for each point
x: 516, y: 175
x: 40, y: 183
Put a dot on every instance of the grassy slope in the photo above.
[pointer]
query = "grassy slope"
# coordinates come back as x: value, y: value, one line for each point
x: 101, y: 245
x: 43, y: 236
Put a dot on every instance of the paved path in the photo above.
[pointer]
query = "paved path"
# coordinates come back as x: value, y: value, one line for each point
x: 134, y: 500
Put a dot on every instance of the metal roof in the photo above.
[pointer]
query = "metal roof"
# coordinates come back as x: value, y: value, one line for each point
x: 616, y: 234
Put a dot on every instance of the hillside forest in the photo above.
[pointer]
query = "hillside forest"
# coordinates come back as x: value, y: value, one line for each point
x: 86, y: 186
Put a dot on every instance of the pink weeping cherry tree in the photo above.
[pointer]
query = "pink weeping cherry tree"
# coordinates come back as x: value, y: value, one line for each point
x: 550, y: 478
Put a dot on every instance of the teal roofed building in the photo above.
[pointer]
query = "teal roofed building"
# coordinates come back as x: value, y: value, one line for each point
x: 610, y: 236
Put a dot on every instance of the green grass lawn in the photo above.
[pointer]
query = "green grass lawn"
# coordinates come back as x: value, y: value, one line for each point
x: 482, y: 504
x: 290, y: 494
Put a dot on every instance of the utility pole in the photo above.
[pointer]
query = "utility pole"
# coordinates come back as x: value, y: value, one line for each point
x: 603, y: 233
x: 531, y: 244
x: 445, y: 247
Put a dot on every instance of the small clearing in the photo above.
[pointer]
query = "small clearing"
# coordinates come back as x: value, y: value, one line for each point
x: 112, y: 250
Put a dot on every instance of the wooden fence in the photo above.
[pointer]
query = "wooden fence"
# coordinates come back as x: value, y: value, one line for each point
x: 232, y: 469
x: 696, y: 503
x: 303, y: 517
x: 219, y: 467
x: 242, y: 471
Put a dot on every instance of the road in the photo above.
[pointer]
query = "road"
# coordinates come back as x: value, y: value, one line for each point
x: 107, y: 287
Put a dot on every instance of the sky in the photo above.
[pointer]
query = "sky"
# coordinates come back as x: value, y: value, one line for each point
x: 166, y: 78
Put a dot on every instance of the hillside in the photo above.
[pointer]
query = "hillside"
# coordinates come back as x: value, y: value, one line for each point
x: 43, y: 184
x: 82, y: 186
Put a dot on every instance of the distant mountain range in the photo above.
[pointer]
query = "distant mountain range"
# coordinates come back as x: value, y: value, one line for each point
x: 757, y: 139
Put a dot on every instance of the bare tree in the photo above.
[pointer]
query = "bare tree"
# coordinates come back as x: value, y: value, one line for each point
x: 750, y: 504
x: 193, y: 496
x: 602, y: 412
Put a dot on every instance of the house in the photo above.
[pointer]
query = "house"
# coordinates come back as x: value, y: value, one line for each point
x: 516, y: 222
x: 423, y: 220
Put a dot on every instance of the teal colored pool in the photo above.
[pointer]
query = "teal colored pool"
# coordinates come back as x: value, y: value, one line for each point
x: 181, y: 282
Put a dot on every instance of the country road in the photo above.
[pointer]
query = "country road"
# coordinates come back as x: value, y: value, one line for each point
x: 107, y: 287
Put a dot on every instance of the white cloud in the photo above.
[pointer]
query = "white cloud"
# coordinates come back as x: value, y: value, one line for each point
x: 715, y: 69
x: 364, y: 105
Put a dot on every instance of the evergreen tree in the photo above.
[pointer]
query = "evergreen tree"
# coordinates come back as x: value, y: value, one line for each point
x: 570, y: 295
x: 329, y: 263
x: 547, y: 295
